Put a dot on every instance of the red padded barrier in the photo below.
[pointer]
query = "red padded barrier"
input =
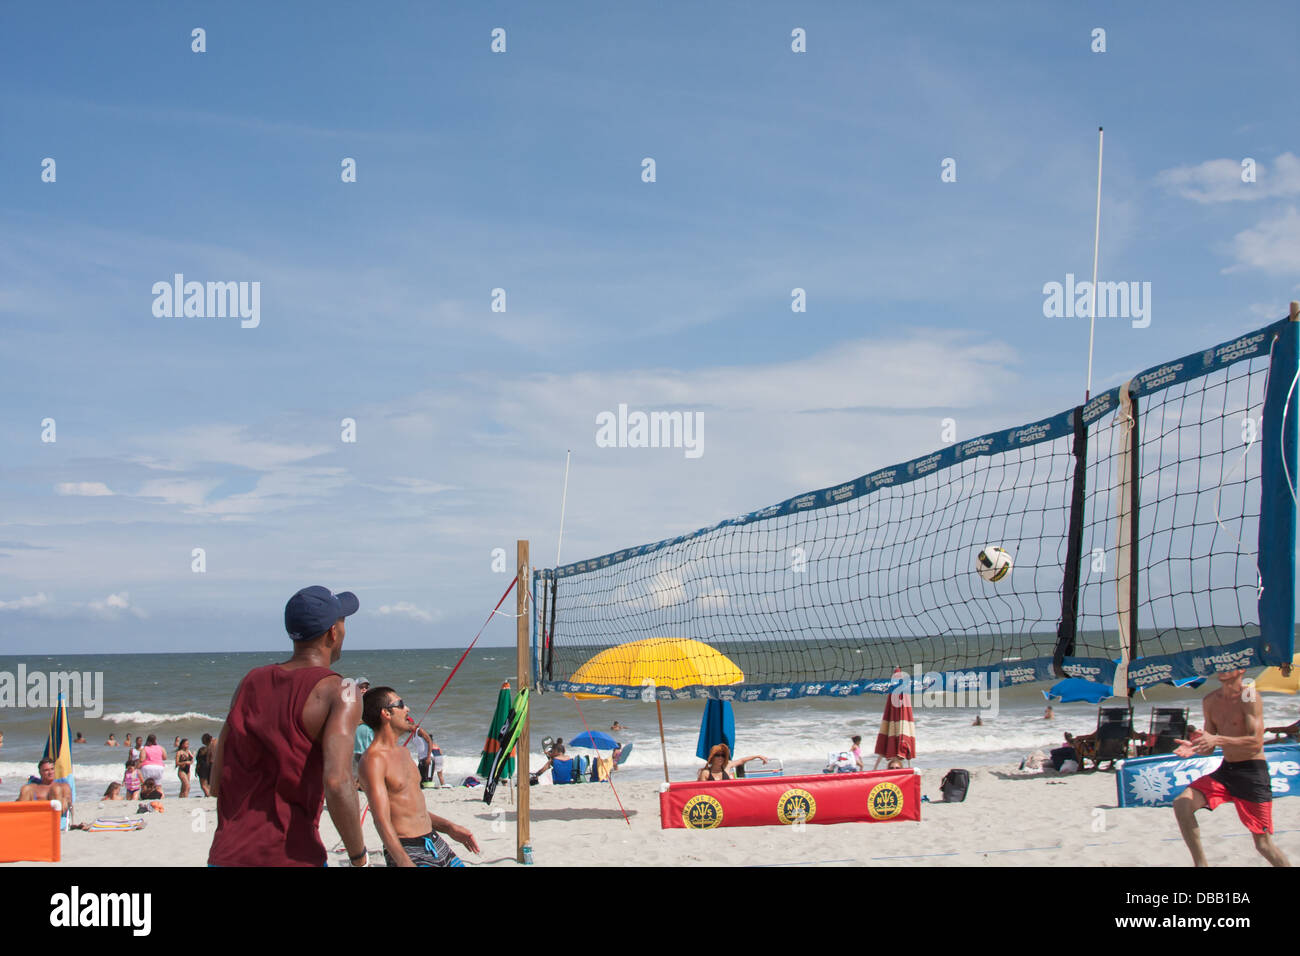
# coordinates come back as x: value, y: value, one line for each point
x: 781, y: 801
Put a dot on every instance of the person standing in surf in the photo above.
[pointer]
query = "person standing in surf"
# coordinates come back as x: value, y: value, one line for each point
x: 412, y: 835
x: 1234, y: 720
x: 286, y: 748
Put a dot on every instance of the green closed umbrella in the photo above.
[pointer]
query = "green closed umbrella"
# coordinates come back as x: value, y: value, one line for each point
x: 500, y: 717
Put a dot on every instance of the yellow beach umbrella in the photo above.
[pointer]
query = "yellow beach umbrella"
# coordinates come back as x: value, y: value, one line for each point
x: 655, y: 662
x: 1272, y: 681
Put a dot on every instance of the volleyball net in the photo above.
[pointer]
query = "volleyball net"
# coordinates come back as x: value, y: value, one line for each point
x: 1152, y: 535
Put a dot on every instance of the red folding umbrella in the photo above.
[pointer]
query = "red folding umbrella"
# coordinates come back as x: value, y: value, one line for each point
x: 897, y: 737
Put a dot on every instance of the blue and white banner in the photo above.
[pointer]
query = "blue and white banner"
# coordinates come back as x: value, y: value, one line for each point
x: 1156, y: 781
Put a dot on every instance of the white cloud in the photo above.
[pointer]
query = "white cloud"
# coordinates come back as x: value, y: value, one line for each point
x: 407, y: 609
x: 1219, y: 180
x: 23, y: 603
x: 111, y: 605
x: 229, y: 445
x: 89, y: 489
x: 1271, y: 246
x: 282, y: 488
x: 177, y: 491
x: 418, y: 486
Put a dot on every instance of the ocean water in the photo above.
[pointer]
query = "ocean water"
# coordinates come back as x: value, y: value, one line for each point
x: 189, y: 694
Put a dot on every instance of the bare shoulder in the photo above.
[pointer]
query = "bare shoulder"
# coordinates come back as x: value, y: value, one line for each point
x: 376, y: 761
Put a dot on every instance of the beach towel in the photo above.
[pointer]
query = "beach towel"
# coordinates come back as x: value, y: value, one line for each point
x: 105, y: 824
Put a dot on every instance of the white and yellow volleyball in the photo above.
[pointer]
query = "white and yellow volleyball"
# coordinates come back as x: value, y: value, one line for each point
x: 993, y: 564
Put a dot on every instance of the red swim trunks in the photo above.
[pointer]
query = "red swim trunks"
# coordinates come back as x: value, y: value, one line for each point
x: 1244, y: 784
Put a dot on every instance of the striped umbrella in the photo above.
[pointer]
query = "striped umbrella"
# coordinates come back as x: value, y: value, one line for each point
x: 897, y: 737
x: 58, y: 746
x: 500, y: 717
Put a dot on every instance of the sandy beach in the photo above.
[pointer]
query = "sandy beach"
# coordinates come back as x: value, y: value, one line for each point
x: 1008, y: 819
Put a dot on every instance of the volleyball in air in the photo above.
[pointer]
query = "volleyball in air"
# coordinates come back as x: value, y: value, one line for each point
x: 993, y: 564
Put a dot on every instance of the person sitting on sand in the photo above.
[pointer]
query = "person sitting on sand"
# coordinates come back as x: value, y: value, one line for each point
x: 412, y: 835
x: 131, y: 779
x: 151, y: 790
x: 553, y: 753
x: 1290, y: 731
x: 48, y: 788
x: 720, y: 762
x: 114, y: 792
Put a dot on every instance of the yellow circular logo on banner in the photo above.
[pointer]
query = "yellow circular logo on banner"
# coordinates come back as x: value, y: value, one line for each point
x: 796, y: 806
x: 885, y: 801
x: 702, y: 812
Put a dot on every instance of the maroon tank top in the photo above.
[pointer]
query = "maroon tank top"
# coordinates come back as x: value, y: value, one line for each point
x: 272, y: 785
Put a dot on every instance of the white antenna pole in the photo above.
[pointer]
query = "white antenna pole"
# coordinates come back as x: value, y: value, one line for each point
x: 563, y: 501
x: 1096, y: 242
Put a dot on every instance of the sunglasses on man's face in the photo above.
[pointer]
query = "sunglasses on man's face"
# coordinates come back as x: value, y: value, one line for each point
x: 398, y: 704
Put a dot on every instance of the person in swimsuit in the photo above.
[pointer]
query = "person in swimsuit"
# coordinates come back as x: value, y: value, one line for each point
x: 131, y: 780
x: 1234, y: 721
x: 203, y: 765
x: 184, y: 760
x: 114, y: 792
x: 153, y: 760
x: 720, y: 762
x: 412, y: 835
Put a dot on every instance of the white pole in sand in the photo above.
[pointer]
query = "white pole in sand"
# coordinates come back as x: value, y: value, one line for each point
x: 1096, y: 243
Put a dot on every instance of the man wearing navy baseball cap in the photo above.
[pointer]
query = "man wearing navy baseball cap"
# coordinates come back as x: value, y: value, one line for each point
x: 286, y: 748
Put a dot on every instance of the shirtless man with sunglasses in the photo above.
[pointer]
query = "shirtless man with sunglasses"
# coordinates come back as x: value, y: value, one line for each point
x: 412, y: 835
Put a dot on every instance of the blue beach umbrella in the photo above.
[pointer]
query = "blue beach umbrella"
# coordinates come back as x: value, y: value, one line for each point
x: 1074, y: 689
x: 717, y: 727
x: 595, y: 740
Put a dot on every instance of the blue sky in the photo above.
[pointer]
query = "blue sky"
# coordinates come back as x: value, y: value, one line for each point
x: 522, y: 171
